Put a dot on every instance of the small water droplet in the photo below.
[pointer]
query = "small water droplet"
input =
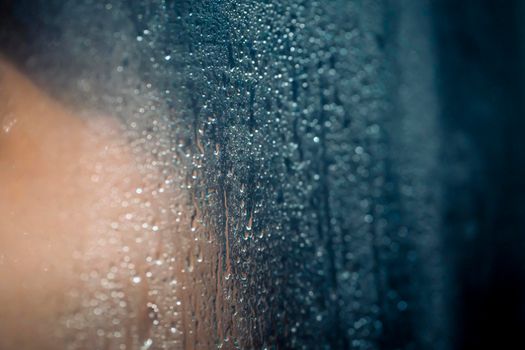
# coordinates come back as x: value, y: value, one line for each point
x: 8, y: 125
x: 147, y: 344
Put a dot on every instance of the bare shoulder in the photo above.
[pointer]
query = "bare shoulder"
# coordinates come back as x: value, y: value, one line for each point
x: 71, y: 207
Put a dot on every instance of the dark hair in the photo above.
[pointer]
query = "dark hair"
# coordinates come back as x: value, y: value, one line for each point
x: 68, y: 47
x: 25, y: 25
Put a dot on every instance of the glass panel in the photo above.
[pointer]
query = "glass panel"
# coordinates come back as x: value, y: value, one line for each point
x: 279, y: 174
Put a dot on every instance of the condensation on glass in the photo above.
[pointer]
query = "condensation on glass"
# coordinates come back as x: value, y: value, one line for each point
x: 290, y: 150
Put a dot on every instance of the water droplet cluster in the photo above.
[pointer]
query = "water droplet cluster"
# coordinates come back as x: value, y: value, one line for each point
x: 286, y: 152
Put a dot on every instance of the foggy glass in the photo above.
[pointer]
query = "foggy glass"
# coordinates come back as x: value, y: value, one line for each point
x: 296, y: 154
x: 284, y: 132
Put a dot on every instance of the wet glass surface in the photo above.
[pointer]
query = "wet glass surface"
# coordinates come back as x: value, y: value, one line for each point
x: 252, y: 175
x: 282, y: 207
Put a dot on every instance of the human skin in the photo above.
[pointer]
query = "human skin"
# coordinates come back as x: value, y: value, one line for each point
x: 63, y: 180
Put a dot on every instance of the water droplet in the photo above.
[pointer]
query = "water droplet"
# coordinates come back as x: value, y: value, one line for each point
x: 147, y: 344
